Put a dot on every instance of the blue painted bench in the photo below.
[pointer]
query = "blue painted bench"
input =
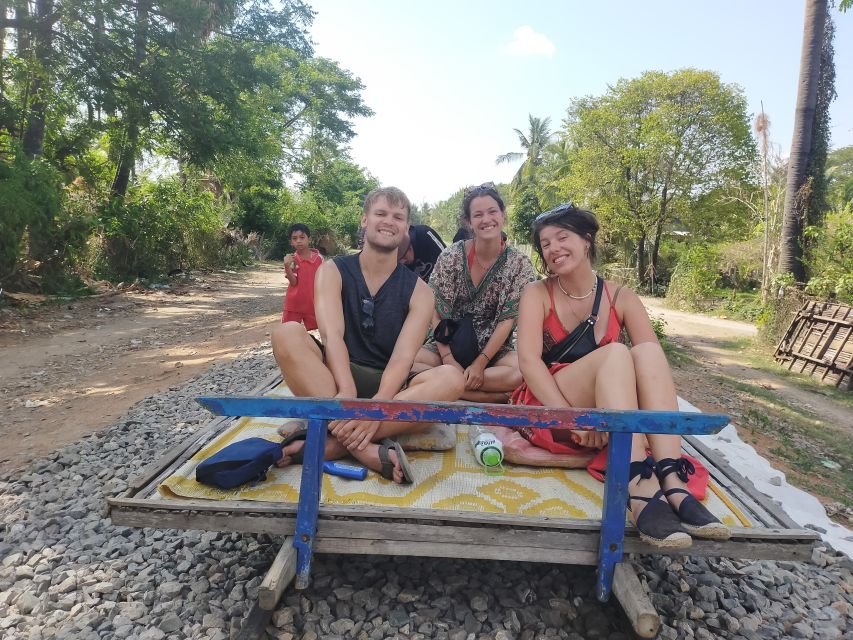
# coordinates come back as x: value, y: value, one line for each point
x: 621, y: 425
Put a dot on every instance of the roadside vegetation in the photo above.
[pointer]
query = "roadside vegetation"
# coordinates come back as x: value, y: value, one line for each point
x: 142, y: 140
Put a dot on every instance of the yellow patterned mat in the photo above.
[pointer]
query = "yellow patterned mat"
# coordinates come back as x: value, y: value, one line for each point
x: 443, y: 480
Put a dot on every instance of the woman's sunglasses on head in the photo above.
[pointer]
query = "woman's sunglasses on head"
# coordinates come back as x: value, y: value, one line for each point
x: 486, y: 186
x: 556, y: 212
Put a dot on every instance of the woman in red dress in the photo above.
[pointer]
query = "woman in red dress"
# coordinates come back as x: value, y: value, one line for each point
x: 570, y: 356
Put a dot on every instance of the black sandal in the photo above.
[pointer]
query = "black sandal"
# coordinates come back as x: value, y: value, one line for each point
x: 657, y: 524
x: 387, y: 472
x: 693, y: 515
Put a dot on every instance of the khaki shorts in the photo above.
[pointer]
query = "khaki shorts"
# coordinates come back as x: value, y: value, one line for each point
x: 367, y: 379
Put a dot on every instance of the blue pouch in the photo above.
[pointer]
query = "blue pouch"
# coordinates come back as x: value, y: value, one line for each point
x: 238, y: 463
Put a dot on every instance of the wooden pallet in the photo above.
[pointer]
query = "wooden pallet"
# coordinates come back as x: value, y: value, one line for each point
x: 448, y: 534
x: 819, y: 343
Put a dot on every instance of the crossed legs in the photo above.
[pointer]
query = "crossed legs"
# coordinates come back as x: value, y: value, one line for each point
x: 302, y: 366
x: 500, y: 377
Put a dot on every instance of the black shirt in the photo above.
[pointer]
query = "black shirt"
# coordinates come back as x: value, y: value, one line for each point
x: 427, y: 245
x: 373, y: 323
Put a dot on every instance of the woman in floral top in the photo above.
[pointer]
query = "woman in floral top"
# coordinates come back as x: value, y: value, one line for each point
x: 481, y: 277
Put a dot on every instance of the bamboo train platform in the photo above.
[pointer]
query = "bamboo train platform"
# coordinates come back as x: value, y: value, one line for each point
x: 453, y: 510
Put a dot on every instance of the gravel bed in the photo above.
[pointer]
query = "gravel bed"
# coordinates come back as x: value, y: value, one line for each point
x: 67, y: 572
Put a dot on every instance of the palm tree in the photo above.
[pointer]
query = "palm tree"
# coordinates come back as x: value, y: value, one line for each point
x: 534, y: 143
x: 792, y: 222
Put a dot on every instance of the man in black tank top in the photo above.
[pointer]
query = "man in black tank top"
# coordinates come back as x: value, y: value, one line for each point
x: 373, y: 314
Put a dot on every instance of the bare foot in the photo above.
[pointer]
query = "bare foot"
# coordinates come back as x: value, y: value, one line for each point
x: 369, y: 457
x: 289, y: 451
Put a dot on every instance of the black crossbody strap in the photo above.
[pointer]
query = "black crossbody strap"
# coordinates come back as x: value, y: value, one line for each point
x: 599, y: 288
x: 565, y: 346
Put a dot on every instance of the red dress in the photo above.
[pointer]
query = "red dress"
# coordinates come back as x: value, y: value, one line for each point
x: 299, y: 299
x: 553, y: 332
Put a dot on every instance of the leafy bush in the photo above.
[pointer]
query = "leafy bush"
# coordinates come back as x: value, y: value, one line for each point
x: 694, y: 278
x: 740, y: 305
x: 831, y: 259
x: 160, y: 227
x: 42, y: 231
x: 779, y: 311
x: 65, y: 244
x: 525, y: 208
x: 619, y: 273
x: 740, y: 264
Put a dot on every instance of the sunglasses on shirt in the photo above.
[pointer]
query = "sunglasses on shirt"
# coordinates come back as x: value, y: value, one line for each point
x: 368, y: 324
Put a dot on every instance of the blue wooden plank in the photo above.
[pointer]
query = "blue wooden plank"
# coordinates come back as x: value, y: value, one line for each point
x: 309, y: 500
x: 493, y: 414
x: 613, y: 511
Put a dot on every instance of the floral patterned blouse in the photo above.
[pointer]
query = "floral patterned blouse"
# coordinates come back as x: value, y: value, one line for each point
x: 494, y: 300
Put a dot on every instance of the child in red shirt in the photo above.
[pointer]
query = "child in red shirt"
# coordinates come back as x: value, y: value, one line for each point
x: 300, y: 267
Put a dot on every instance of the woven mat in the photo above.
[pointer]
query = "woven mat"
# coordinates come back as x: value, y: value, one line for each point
x: 443, y: 480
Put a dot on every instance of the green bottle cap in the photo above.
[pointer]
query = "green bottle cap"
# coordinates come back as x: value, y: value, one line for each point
x: 491, y: 457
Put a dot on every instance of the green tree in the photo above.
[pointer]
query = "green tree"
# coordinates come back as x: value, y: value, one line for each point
x: 646, y: 152
x: 839, y: 172
x: 538, y: 137
x: 446, y: 216
x: 525, y: 209
x: 228, y: 92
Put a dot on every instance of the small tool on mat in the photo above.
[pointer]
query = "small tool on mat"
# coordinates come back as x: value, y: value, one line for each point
x: 350, y: 471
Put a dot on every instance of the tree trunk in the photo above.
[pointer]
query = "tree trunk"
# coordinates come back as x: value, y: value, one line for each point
x: 133, y: 117
x: 4, y: 8
x: 641, y: 260
x: 791, y: 258
x: 33, y: 140
x: 22, y: 14
x: 656, y: 251
x: 664, y: 201
x: 100, y: 45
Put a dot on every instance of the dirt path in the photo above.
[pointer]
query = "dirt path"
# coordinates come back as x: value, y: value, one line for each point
x: 70, y: 369
x: 802, y: 431
x: 704, y: 336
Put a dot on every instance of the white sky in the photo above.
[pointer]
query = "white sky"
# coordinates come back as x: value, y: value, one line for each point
x: 449, y: 81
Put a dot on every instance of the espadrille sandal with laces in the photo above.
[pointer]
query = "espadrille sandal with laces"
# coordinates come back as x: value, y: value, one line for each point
x: 657, y: 524
x: 695, y: 518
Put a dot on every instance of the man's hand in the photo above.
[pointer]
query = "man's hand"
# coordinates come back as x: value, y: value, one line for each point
x: 289, y: 261
x: 474, y: 374
x: 591, y: 439
x: 354, y: 434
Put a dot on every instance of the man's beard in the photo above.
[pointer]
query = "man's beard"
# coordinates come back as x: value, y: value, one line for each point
x: 378, y: 248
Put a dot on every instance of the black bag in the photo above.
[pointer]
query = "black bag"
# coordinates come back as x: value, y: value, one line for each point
x: 581, y: 340
x: 460, y: 336
x: 240, y: 462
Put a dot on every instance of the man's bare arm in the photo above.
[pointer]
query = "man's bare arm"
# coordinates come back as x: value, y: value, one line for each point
x: 329, y: 311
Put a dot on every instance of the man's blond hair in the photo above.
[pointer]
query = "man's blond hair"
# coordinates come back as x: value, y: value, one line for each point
x: 394, y: 196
